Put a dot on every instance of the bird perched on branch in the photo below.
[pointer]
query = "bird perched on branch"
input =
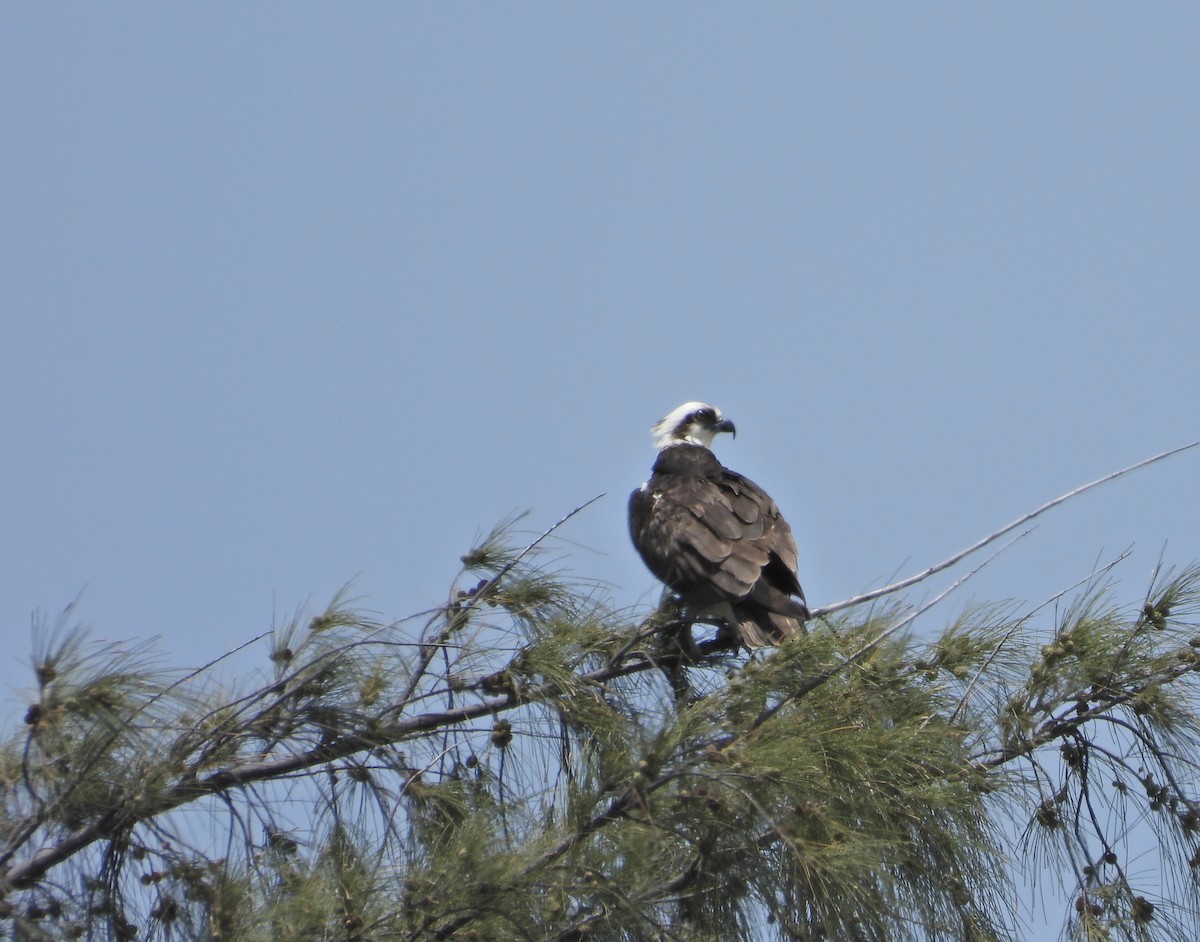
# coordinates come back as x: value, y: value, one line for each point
x: 715, y: 537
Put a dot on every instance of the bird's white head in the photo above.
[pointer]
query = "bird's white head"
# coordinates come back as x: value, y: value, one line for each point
x: 696, y: 423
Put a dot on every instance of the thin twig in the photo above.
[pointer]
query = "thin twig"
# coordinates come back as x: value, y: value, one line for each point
x: 1108, y: 567
x: 430, y: 648
x: 992, y: 537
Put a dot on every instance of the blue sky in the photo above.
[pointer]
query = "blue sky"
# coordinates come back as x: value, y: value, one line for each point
x: 294, y: 294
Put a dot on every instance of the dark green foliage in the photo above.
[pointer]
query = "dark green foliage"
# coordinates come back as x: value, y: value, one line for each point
x: 531, y: 765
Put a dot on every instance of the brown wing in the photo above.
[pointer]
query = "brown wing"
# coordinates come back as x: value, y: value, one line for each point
x: 716, y: 539
x: 766, y: 532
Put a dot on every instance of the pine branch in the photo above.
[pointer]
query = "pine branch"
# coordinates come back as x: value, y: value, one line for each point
x: 863, y: 815
x: 1072, y: 719
x: 241, y: 776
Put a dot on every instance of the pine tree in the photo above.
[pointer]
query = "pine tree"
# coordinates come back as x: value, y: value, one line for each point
x: 525, y: 762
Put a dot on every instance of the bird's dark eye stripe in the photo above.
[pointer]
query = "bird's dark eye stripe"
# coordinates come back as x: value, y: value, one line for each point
x: 704, y: 415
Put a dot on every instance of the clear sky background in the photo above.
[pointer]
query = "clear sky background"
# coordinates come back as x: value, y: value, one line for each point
x: 297, y: 293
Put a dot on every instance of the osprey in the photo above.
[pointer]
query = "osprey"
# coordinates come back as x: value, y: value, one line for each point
x: 715, y: 537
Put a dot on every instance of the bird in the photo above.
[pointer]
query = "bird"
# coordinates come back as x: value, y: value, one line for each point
x: 714, y: 537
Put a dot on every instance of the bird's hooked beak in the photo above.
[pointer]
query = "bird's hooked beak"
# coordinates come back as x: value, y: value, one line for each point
x: 725, y: 426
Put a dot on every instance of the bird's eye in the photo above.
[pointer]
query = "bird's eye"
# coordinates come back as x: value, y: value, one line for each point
x: 705, y: 415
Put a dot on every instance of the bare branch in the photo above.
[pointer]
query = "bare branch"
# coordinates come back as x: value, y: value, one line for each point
x: 992, y: 537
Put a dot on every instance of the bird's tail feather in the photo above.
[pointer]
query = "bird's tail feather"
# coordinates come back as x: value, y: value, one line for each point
x: 762, y: 628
